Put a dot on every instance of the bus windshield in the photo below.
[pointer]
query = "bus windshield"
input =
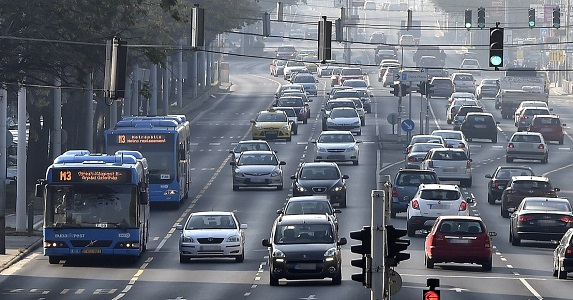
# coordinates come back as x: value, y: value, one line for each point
x: 99, y: 206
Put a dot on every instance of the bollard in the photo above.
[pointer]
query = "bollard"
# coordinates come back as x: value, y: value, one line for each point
x: 30, y: 217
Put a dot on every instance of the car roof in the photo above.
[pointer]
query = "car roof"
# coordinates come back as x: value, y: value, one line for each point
x: 547, y: 199
x: 258, y: 152
x: 210, y: 213
x: 336, y: 131
x: 253, y: 142
x: 304, y: 219
x: 283, y: 108
x: 318, y: 164
x: 439, y: 186
x: 469, y: 218
x: 411, y: 171
x: 308, y: 198
x: 546, y: 116
x: 526, y: 133
x: 475, y: 113
x: 448, y: 149
x: 514, y: 167
x: 533, y: 178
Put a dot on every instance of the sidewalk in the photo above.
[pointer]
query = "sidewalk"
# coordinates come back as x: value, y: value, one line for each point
x: 19, y: 244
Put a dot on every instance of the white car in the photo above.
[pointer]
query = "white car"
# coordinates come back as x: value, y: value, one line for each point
x: 212, y: 234
x: 449, y: 164
x: 344, y: 118
x: 336, y: 146
x: 293, y: 67
x: 525, y: 104
x: 454, y: 139
x: 434, y: 200
x: 470, y: 65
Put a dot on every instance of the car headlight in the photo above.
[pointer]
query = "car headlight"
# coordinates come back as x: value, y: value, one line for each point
x: 337, y: 188
x: 187, y: 239
x: 239, y: 174
x: 276, y: 173
x: 301, y: 188
x: 258, y: 127
x: 330, y: 252
x: 329, y: 122
x: 356, y: 123
x: 321, y: 149
x: 278, y: 253
x: 285, y: 127
x: 352, y: 148
x: 234, y: 239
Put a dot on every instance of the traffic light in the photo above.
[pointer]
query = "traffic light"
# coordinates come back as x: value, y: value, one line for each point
x: 115, y: 68
x: 396, y: 245
x: 324, y: 40
x: 531, y: 17
x: 429, y: 88
x: 395, y: 90
x: 422, y: 87
x: 266, y: 24
x: 496, y: 47
x: 468, y: 18
x: 481, y: 17
x: 364, y: 249
x: 556, y: 17
x: 338, y: 28
x: 431, y: 293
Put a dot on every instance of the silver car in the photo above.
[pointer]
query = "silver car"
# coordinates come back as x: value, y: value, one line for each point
x: 249, y: 145
x: 527, y: 145
x: 212, y: 234
x: 449, y: 164
x: 257, y: 169
x: 344, y: 118
x: 417, y: 153
x: 336, y: 146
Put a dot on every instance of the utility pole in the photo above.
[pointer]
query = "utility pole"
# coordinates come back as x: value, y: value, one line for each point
x: 378, y: 245
x: 3, y: 132
x: 21, y: 163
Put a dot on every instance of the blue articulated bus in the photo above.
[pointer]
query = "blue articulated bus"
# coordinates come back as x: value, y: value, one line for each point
x: 95, y: 204
x: 165, y: 142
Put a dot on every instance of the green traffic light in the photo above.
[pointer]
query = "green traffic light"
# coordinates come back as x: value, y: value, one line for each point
x: 481, y: 25
x: 556, y: 25
x: 531, y: 24
x: 495, y: 60
x: 468, y: 25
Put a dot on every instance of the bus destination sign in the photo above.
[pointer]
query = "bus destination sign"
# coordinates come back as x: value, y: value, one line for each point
x: 141, y: 138
x: 91, y: 175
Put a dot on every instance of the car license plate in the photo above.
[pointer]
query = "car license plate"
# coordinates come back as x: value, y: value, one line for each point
x: 546, y: 222
x: 449, y: 169
x: 210, y: 248
x: 257, y: 180
x: 546, y: 129
x: 335, y: 157
x: 305, y: 266
x: 480, y: 126
x: 438, y: 206
x: 459, y: 241
x: 91, y: 251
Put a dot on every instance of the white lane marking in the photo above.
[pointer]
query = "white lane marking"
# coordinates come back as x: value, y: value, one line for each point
x: 530, y: 288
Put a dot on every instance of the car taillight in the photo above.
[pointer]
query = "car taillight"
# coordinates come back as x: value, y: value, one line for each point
x: 566, y: 219
x: 461, y: 145
x: 412, y: 159
x: 387, y: 73
x: 526, y: 117
x: 415, y: 204
x: 430, y: 164
x: 510, y: 145
x: 487, y: 244
x: 569, y: 251
x: 524, y: 218
x: 541, y: 146
x: 496, y: 185
x: 463, y: 206
x: 394, y: 192
x: 468, y: 164
x: 409, y: 149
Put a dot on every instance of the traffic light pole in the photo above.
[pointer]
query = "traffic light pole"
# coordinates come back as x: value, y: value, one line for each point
x: 379, y: 285
x: 427, y: 115
x: 409, y: 135
x: 421, y: 114
x: 399, y: 129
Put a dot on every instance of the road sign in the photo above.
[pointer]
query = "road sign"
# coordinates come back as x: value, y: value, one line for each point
x: 392, y: 118
x: 408, y: 125
x: 543, y: 32
x: 556, y: 56
x: 395, y: 282
x: 413, y: 76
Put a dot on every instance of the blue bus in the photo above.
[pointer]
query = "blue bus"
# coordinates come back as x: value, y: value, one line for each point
x: 165, y: 142
x: 95, y: 204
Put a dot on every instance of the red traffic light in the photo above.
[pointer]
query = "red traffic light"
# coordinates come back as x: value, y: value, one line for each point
x: 431, y: 295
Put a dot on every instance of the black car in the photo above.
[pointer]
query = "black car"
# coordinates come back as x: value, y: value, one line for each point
x: 540, y: 219
x: 326, y: 180
x: 500, y: 177
x: 479, y: 125
x: 563, y: 256
x: 309, y: 205
x: 405, y: 186
x: 441, y: 87
x: 520, y: 187
x: 304, y: 247
x: 462, y: 112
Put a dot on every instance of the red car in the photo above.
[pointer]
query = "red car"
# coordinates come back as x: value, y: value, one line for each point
x: 549, y: 126
x: 350, y: 73
x: 459, y: 239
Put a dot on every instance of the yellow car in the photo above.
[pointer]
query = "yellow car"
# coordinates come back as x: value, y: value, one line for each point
x: 271, y: 124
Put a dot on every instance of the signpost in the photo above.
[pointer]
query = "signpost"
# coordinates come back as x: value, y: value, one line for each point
x: 392, y: 120
x: 413, y: 76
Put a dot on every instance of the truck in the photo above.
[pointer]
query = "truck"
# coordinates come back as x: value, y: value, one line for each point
x: 509, y: 100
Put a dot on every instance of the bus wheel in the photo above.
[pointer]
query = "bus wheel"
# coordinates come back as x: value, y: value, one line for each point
x: 54, y: 260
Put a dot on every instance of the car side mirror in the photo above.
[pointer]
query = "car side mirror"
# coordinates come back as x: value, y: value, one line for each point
x: 337, y: 211
x: 266, y: 243
x: 243, y: 226
x: 233, y: 163
x: 492, y: 233
x: 511, y: 209
x: 563, y: 125
x: 282, y: 163
x: 279, y: 211
x: 497, y: 122
x: 253, y: 121
x: 232, y: 151
x: 358, y: 141
x: 179, y: 227
x: 470, y: 160
x: 469, y: 200
x: 488, y: 176
x: 557, y: 189
x: 293, y: 177
x: 345, y: 177
x: 342, y: 242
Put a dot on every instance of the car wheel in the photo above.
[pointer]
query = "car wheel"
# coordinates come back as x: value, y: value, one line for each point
x: 305, y: 121
x: 449, y: 121
x: 273, y: 280
x: 295, y: 132
x: 54, y: 260
x: 362, y: 122
x: 545, y: 160
x: 337, y: 280
x: 494, y: 139
x: 561, y: 141
x: 355, y: 162
x: 561, y: 274
x: 183, y: 259
x: 393, y: 214
x: 280, y: 187
x: 487, y: 265
x: 504, y: 212
x: 515, y: 241
x: 428, y: 262
x: 508, y: 159
x: 554, y: 268
x: 241, y: 257
x: 411, y: 231
x: 288, y: 139
x: 359, y: 132
x: 490, y: 199
x: 342, y: 203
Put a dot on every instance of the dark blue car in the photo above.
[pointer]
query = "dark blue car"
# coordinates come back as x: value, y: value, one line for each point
x: 405, y: 186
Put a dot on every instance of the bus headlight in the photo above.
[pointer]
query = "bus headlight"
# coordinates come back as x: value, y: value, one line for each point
x: 170, y: 192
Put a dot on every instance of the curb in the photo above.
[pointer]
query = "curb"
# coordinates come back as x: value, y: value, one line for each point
x: 23, y: 254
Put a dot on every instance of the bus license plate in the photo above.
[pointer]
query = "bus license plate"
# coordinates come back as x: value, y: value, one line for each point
x: 91, y: 251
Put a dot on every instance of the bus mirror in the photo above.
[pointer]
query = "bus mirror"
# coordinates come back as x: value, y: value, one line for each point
x: 39, y: 189
x: 143, y: 197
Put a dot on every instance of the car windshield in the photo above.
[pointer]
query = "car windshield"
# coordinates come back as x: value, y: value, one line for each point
x: 479, y: 119
x: 308, y: 207
x: 449, y: 135
x: 352, y: 71
x: 355, y: 83
x: 304, y: 234
x: 280, y: 63
x: 533, y: 112
x: 295, y: 64
x: 343, y: 113
x: 331, y: 105
x: 424, y: 147
x: 464, y: 78
x: 522, y: 138
x: 345, y: 94
x: 489, y: 82
x: 547, y: 121
x: 358, y: 103
x: 304, y: 79
x: 319, y: 173
x: 386, y: 52
x: 336, y: 138
x: 289, y: 112
x: 251, y: 146
x: 197, y: 222
x: 531, y: 184
x: 440, y: 195
x: 286, y: 49
x: 272, y: 117
x: 546, y: 205
x: 425, y: 139
x: 415, y: 179
x: 257, y: 159
x: 291, y: 102
x: 442, y: 81
x: 507, y: 173
x: 460, y: 227
x: 449, y: 155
